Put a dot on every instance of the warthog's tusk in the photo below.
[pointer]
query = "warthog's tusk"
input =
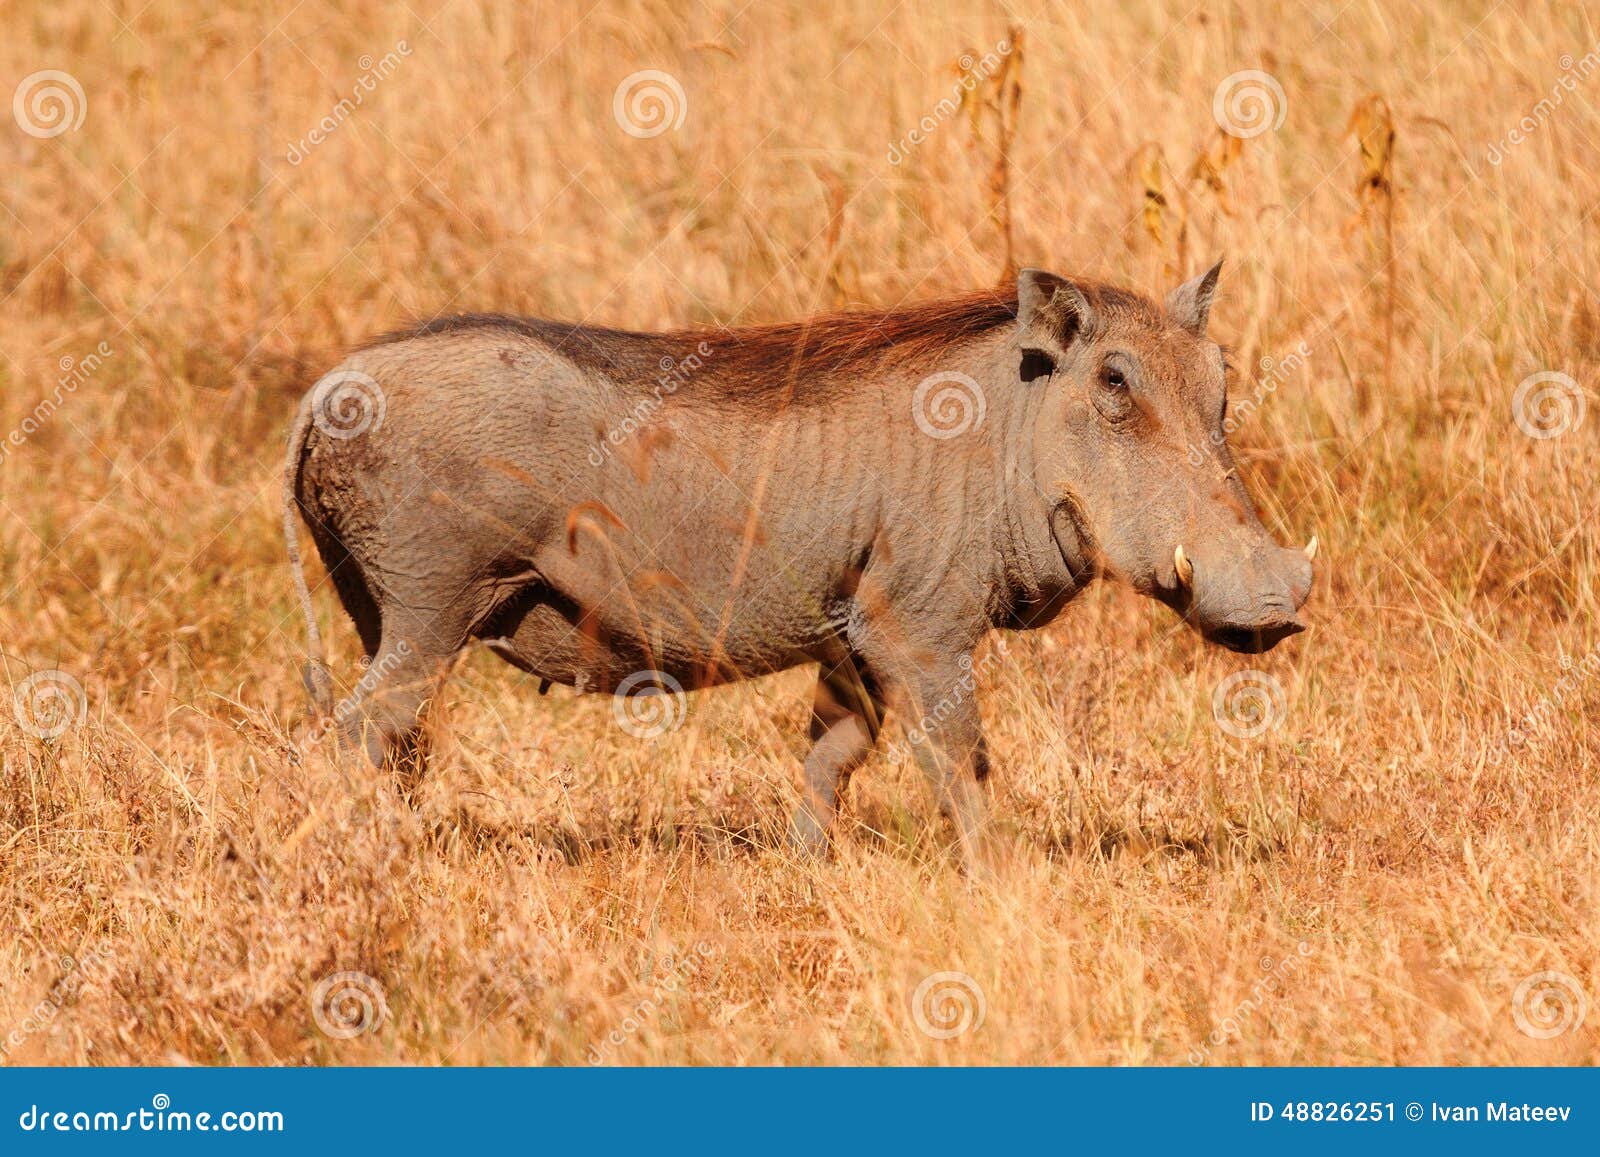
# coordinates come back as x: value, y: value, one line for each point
x: 1183, y: 566
x: 1311, y: 549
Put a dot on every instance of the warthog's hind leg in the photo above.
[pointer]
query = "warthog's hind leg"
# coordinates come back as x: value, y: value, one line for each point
x: 384, y: 717
x: 845, y: 717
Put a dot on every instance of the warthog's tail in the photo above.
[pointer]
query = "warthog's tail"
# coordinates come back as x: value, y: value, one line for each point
x: 317, y: 678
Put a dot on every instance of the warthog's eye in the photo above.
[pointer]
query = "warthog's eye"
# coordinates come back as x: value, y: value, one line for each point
x: 1116, y: 384
x: 1118, y: 373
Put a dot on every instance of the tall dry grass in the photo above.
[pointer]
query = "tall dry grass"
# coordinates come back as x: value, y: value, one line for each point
x: 1368, y: 881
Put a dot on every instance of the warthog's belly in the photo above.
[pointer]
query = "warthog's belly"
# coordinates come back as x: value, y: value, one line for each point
x: 544, y: 635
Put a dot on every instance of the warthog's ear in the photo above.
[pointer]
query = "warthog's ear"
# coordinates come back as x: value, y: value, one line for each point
x: 1190, y: 304
x: 1051, y: 313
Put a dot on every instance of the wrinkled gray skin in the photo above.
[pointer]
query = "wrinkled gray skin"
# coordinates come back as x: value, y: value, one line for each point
x: 752, y: 527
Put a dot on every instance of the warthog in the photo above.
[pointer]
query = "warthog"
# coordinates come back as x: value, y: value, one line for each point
x: 869, y: 491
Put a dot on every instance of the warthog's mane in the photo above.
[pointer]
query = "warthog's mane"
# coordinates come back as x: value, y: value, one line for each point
x: 742, y: 359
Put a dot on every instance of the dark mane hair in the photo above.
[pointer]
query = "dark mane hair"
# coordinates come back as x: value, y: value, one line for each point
x: 769, y: 355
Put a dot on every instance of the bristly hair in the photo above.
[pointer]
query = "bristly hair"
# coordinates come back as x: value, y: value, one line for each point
x: 832, y: 341
x: 753, y: 357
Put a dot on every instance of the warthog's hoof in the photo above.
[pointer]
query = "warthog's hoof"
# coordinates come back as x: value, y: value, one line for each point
x: 808, y: 837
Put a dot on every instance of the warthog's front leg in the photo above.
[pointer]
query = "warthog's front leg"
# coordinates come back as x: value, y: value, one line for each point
x: 845, y: 717
x: 946, y: 735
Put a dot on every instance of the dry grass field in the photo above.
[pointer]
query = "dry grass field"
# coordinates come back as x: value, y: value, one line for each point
x: 1384, y: 874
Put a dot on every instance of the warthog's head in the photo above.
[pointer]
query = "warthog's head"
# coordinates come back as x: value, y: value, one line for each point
x: 1131, y: 452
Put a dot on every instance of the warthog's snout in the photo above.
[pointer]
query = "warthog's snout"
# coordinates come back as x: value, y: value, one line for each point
x: 1248, y: 608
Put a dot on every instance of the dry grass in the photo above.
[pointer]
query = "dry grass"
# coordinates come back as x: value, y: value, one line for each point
x: 530, y: 903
